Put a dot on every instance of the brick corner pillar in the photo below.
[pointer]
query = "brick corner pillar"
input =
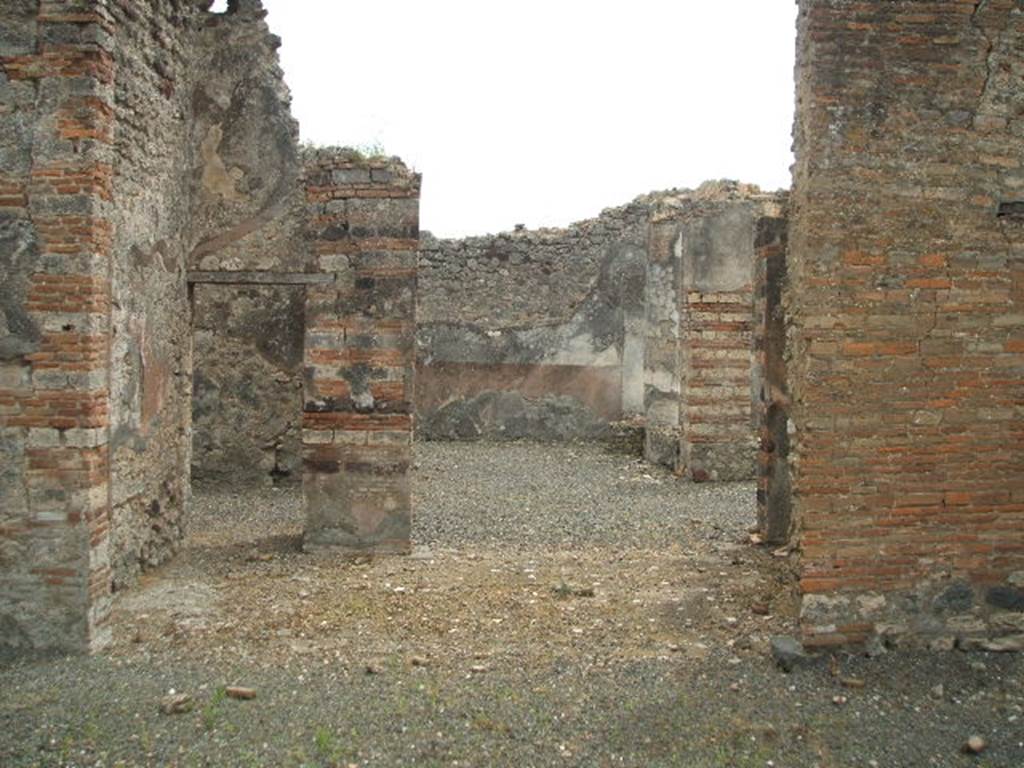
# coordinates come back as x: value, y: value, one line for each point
x: 359, y: 353
x: 905, y: 315
x: 56, y: 80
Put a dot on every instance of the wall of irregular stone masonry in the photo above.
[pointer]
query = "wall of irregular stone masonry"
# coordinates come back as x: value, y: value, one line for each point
x: 906, y: 321
x: 207, y: 179
x: 533, y: 334
x: 149, y: 344
x: 643, y: 313
x: 247, y: 396
x: 360, y: 352
x: 702, y: 383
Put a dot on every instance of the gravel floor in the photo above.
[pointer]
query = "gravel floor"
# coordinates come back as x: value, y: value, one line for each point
x: 527, y: 496
x: 564, y: 606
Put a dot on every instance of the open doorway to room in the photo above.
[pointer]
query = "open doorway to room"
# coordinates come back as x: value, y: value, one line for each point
x: 247, y: 416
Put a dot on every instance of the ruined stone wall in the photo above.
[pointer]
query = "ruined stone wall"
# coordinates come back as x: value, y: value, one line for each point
x: 906, y: 312
x: 644, y: 313
x: 207, y: 178
x: 117, y: 173
x: 247, y: 407
x: 533, y: 334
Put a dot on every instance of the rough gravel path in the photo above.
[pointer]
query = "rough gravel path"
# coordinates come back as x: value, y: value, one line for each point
x: 564, y: 606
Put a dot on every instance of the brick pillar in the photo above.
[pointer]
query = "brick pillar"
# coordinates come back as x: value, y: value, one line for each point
x: 774, y: 503
x: 359, y: 355
x: 55, y: 189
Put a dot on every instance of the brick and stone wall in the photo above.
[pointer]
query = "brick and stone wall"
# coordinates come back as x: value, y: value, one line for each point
x: 539, y: 335
x: 56, y: 241
x: 138, y: 138
x: 359, y: 352
x: 906, y: 321
x: 702, y: 378
x: 149, y: 338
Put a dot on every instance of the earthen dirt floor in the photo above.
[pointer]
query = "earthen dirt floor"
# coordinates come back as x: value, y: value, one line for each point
x: 562, y: 606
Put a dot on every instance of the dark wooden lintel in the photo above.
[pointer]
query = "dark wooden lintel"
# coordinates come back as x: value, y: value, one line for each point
x: 223, y: 277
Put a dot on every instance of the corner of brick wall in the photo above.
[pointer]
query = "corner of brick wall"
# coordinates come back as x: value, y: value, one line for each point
x: 54, y: 382
x: 907, y: 322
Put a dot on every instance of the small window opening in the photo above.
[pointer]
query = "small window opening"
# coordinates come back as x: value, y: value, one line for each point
x: 219, y: 6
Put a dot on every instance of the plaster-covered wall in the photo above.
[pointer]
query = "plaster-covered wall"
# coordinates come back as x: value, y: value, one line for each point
x: 206, y: 177
x: 533, y: 334
x: 702, y: 379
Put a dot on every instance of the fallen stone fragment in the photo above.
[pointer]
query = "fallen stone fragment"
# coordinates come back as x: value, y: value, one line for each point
x: 839, y: 700
x: 237, y: 692
x: 478, y: 669
x: 419, y: 661
x: 760, y: 609
x: 176, y: 704
x: 852, y: 682
x: 975, y: 745
x: 938, y: 691
x: 788, y: 653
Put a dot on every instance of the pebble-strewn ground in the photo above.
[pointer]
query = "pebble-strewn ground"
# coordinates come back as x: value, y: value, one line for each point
x: 564, y: 606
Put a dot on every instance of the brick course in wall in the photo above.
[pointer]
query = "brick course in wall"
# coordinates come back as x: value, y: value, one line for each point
x: 906, y: 313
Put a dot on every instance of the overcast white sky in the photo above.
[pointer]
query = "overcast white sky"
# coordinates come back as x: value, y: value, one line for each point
x: 543, y: 112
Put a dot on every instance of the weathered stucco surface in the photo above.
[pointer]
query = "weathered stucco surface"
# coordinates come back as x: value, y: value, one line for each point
x: 702, y: 379
x: 533, y: 334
